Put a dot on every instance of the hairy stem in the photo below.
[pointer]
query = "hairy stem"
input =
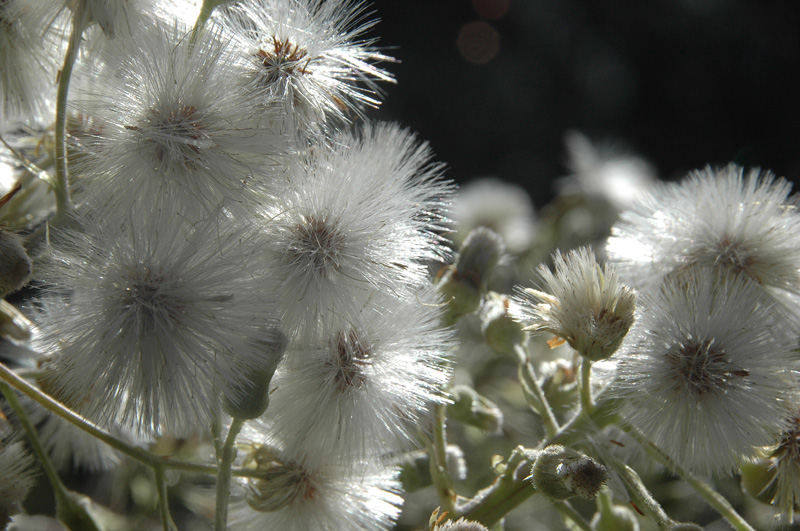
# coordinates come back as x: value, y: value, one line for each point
x: 224, y: 475
x: 706, y: 491
x: 531, y: 385
x: 61, y: 186
x: 68, y: 510
x: 440, y: 473
x: 167, y: 524
x: 587, y: 402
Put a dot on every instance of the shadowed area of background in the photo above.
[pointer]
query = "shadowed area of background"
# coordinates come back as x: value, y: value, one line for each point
x: 495, y: 84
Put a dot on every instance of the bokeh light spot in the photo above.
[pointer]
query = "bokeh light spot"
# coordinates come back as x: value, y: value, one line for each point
x: 478, y: 42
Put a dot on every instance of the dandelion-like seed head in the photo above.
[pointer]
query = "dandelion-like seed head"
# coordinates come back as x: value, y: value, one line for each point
x: 785, y: 465
x: 290, y: 495
x: 160, y: 320
x: 307, y: 56
x: 701, y: 367
x: 175, y: 137
x: 317, y: 245
x: 168, y: 124
x: 149, y: 299
x: 705, y: 369
x: 741, y: 223
x: 583, y: 303
x: 349, y: 356
x: 279, y: 484
x: 281, y: 58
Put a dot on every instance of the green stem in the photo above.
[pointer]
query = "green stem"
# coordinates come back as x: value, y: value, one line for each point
x: 440, y: 473
x: 224, y: 475
x: 61, y: 188
x: 133, y: 452
x: 205, y: 13
x: 509, y: 490
x: 706, y: 491
x: 640, y: 495
x: 531, y: 384
x: 68, y: 509
x: 59, y: 489
x: 587, y: 403
x: 569, y: 512
x: 167, y: 524
x: 602, y: 415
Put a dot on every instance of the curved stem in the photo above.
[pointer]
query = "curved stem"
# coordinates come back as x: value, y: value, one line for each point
x: 205, y: 13
x: 587, y: 403
x: 224, y: 475
x: 531, y: 385
x: 510, y: 489
x: 167, y: 524
x: 706, y: 491
x: 569, y: 512
x: 59, y: 489
x: 68, y: 509
x: 440, y: 473
x: 61, y: 188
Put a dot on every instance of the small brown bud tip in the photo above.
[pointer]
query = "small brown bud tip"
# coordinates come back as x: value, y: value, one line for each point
x: 561, y: 473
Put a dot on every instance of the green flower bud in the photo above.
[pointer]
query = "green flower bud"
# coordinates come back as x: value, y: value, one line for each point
x: 471, y: 408
x: 610, y: 517
x: 415, y: 467
x: 251, y: 398
x: 464, y: 283
x: 561, y: 473
x: 501, y: 331
x: 15, y: 265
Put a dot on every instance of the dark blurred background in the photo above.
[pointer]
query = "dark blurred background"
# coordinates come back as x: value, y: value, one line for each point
x: 494, y: 85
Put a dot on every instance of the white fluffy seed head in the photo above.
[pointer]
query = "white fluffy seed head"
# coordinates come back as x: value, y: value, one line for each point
x: 783, y: 490
x: 18, y: 472
x: 307, y: 56
x: 705, y: 369
x: 355, y: 218
x: 581, y: 302
x: 167, y: 126
x: 361, y: 392
x: 740, y: 222
x: 31, y: 52
x: 150, y: 316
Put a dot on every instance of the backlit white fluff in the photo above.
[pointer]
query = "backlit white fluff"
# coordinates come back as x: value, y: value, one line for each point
x: 150, y: 317
x: 705, y: 368
x: 742, y: 223
x: 308, y: 56
x: 293, y: 497
x: 362, y: 393
x: 353, y: 219
x: 168, y: 126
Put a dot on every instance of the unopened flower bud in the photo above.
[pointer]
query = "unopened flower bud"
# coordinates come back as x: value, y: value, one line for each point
x: 415, y: 467
x: 464, y: 283
x: 583, y: 303
x: 610, y: 517
x: 15, y: 265
x: 250, y: 398
x: 502, y: 332
x: 561, y: 473
x: 471, y: 408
